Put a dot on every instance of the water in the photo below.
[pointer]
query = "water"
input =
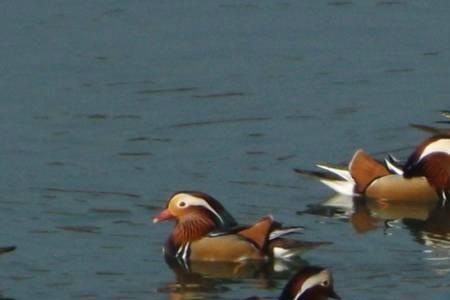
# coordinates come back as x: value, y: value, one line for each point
x: 107, y: 107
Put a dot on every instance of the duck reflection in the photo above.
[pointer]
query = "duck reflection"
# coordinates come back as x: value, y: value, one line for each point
x: 433, y: 231
x: 201, y: 279
x: 428, y: 222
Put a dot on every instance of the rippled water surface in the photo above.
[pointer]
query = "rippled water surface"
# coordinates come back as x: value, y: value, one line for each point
x: 107, y: 107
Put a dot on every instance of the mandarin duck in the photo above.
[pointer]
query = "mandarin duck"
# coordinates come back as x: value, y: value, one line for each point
x: 205, y: 231
x: 310, y: 283
x: 425, y: 177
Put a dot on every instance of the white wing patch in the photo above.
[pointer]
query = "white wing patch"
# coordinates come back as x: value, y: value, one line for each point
x: 441, y: 145
x: 313, y: 281
x: 345, y: 186
x: 283, y: 231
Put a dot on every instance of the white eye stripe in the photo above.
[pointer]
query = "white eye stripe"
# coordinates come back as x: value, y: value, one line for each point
x: 313, y: 281
x: 201, y: 202
x: 442, y: 145
x: 191, y: 200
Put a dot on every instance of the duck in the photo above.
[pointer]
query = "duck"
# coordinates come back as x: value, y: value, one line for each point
x: 7, y: 249
x: 205, y: 231
x: 309, y: 283
x: 424, y: 177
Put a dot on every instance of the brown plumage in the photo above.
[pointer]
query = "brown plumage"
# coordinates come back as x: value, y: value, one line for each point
x: 422, y: 147
x: 191, y: 228
x: 431, y: 159
x: 425, y: 177
x: 258, y: 234
x: 205, y: 231
x: 365, y: 170
x: 436, y: 168
x: 310, y: 283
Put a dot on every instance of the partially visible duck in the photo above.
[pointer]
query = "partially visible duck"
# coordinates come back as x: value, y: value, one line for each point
x: 424, y: 177
x: 7, y: 249
x: 205, y: 231
x: 310, y: 283
x: 431, y: 160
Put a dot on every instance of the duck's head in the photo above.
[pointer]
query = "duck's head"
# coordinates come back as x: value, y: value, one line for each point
x: 310, y: 283
x: 189, y: 205
x: 432, y: 160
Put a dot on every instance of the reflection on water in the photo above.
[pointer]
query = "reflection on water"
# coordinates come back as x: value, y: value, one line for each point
x: 367, y: 214
x: 429, y: 224
x: 107, y: 106
x: 201, y: 279
x: 434, y: 233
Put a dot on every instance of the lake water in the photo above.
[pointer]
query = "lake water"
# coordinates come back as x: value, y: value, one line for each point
x: 107, y: 107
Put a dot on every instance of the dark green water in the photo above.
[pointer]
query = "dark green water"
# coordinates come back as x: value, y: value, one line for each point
x: 107, y: 107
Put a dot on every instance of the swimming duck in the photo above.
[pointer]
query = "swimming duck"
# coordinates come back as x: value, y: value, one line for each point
x: 310, y: 283
x: 205, y: 231
x: 424, y: 177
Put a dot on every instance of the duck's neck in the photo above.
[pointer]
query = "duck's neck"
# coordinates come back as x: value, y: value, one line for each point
x: 190, y: 229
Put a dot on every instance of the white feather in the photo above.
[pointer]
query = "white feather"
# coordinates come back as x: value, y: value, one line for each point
x: 277, y: 233
x: 343, y: 173
x: 313, y: 281
x: 196, y: 201
x: 441, y: 145
x: 391, y: 166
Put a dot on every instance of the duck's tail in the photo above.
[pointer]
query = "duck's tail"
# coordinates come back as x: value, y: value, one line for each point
x: 287, y: 249
x: 338, y: 178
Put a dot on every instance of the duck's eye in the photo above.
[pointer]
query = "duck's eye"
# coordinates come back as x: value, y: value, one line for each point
x: 181, y: 204
x: 325, y: 283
